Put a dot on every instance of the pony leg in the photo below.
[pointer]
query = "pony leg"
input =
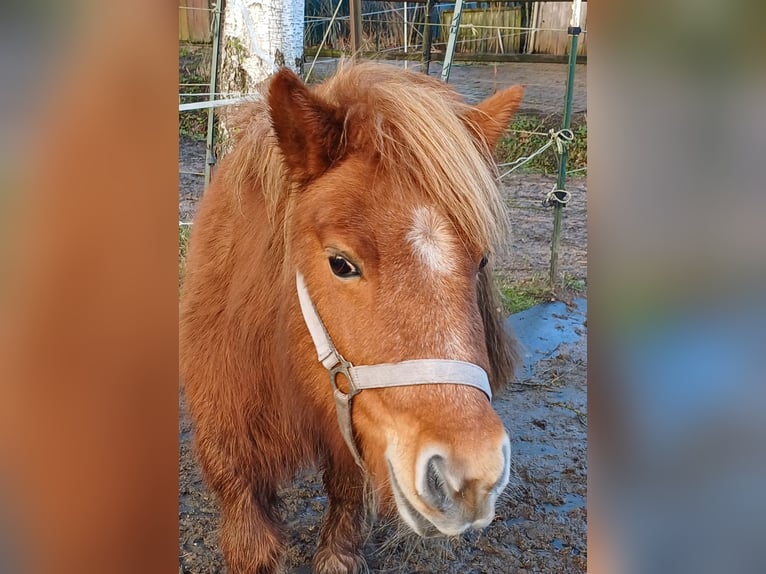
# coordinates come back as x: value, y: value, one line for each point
x: 251, y: 538
x: 343, y: 528
x: 250, y: 535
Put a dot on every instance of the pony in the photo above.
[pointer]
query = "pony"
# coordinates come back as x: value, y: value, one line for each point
x: 355, y: 219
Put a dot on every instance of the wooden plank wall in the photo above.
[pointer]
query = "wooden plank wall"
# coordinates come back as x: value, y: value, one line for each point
x: 557, y: 15
x: 484, y: 39
x: 194, y: 24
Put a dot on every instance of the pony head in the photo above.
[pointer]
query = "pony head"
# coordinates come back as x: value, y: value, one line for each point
x: 391, y: 218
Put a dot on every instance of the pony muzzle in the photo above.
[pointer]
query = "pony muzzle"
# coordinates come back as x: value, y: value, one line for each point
x: 379, y: 376
x: 444, y: 496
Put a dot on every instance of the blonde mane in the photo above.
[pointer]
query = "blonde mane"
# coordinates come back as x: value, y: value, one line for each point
x: 416, y: 126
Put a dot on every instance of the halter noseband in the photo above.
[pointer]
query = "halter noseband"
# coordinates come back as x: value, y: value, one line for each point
x: 382, y: 375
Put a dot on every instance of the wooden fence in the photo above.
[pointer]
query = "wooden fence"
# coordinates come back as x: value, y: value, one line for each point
x: 555, y: 15
x: 485, y: 30
x: 194, y: 18
x: 482, y: 31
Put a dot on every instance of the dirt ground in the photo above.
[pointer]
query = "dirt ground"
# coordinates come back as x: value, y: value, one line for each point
x: 544, y: 84
x: 528, y: 254
x: 540, y: 525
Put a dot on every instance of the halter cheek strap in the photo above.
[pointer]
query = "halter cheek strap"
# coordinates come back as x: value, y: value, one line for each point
x: 382, y: 375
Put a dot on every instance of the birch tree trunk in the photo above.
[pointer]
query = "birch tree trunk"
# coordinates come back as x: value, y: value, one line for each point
x: 258, y: 38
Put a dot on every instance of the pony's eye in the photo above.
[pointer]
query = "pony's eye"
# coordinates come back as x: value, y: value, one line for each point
x: 342, y: 268
x: 483, y: 263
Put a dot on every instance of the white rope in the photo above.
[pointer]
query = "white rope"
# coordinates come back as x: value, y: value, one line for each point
x: 218, y: 103
x: 474, y: 39
x: 192, y: 94
x: 561, y: 139
x: 364, y: 14
x: 556, y: 195
x: 470, y: 25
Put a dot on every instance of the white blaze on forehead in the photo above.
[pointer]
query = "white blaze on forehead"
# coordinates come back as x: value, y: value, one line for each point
x: 432, y: 239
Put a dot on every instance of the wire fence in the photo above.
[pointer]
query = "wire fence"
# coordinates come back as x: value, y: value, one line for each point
x: 195, y: 85
x: 528, y: 158
x: 396, y: 26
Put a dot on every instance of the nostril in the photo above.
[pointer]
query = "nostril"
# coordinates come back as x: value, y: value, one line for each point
x: 436, y: 492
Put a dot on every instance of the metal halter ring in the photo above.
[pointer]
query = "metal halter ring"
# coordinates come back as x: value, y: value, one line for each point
x: 343, y: 367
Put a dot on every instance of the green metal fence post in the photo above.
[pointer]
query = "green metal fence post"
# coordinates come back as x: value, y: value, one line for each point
x: 574, y: 31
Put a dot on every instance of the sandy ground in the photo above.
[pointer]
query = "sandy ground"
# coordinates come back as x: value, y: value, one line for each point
x: 540, y: 524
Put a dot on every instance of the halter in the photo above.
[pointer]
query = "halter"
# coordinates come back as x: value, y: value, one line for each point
x: 382, y: 375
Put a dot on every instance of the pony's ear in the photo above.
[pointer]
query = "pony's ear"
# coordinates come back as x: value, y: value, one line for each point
x: 309, y: 131
x: 491, y: 117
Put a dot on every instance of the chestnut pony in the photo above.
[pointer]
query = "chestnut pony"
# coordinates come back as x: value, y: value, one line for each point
x: 353, y: 220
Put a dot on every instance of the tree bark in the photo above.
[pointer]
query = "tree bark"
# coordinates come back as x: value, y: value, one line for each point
x: 259, y: 37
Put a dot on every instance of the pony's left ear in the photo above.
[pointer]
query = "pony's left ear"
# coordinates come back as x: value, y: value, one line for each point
x: 309, y: 131
x: 491, y: 117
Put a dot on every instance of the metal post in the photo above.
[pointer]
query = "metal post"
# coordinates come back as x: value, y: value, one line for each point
x: 427, y: 37
x: 533, y: 31
x: 355, y: 17
x: 454, y: 28
x: 209, y: 155
x: 405, y: 35
x: 574, y: 31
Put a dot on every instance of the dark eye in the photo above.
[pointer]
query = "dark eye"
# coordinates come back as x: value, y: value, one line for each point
x: 342, y: 267
x: 483, y: 263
